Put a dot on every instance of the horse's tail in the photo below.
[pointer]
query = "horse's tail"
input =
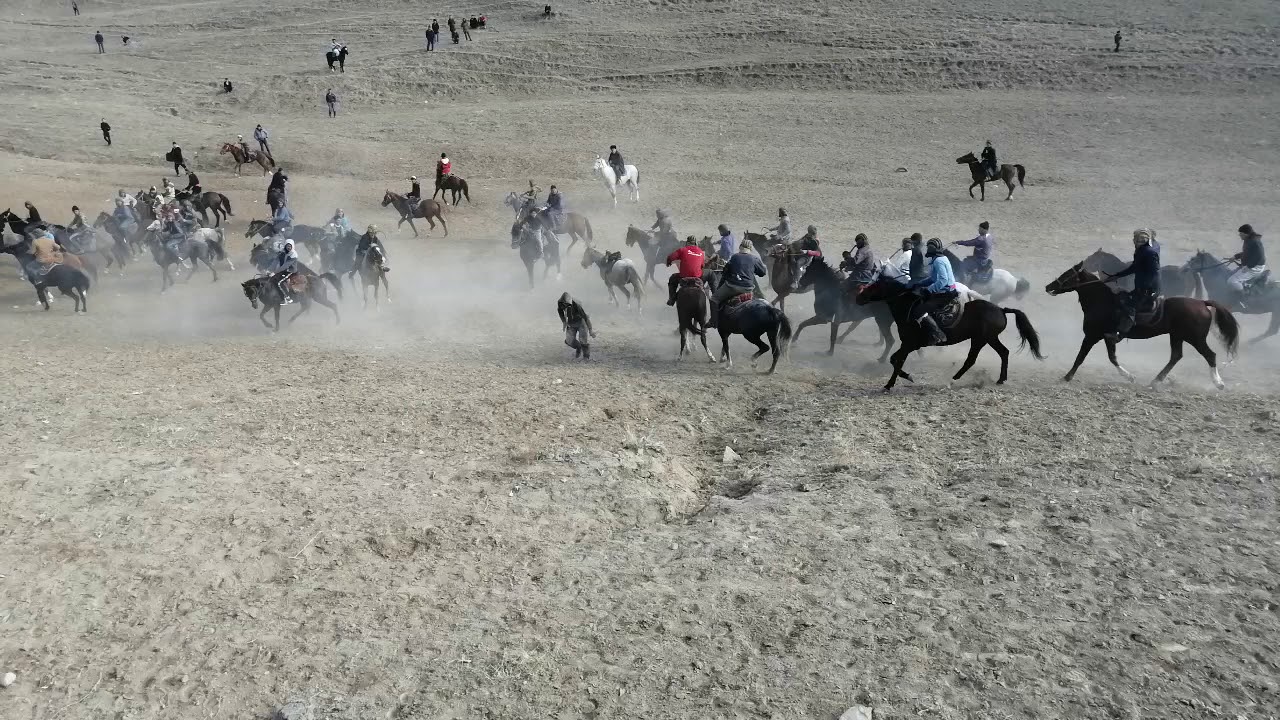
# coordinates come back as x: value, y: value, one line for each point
x: 1026, y: 333
x: 1228, y: 327
x: 220, y: 252
x: 226, y: 205
x: 590, y: 238
x: 1021, y: 288
x: 465, y: 193
x: 1022, y: 175
x: 637, y: 177
x: 637, y: 284
x: 784, y: 329
x: 333, y: 280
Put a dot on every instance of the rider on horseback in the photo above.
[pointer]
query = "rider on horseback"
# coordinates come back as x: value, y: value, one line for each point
x: 415, y: 190
x: 284, y: 266
x: 979, y: 263
x: 367, y: 240
x: 193, y: 184
x: 739, y: 277
x: 46, y: 251
x: 555, y: 208
x: 666, y: 231
x: 173, y: 237
x: 807, y: 246
x: 781, y: 233
x: 989, y: 161
x: 938, y: 290
x: 126, y: 217
x: 1253, y: 262
x: 444, y: 168
x: 1145, y: 270
x: 126, y: 198
x: 691, y: 259
x: 861, y: 264
x: 616, y: 162
x: 340, y: 221
x: 244, y: 149
x: 282, y: 220
x: 728, y: 243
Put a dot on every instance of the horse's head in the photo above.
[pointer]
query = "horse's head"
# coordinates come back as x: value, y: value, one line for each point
x: 591, y: 256
x: 251, y: 289
x: 816, y: 270
x: 388, y: 198
x: 254, y: 227
x: 966, y: 159
x: 1200, y: 262
x: 376, y: 256
x: 599, y: 166
x: 1071, y: 280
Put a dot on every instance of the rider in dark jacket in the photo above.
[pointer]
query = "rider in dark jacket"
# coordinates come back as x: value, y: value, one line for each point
x: 617, y: 163
x: 1145, y: 270
x: 989, y: 160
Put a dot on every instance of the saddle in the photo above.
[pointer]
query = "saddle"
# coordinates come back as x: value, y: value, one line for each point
x: 982, y: 274
x: 950, y: 314
x: 611, y: 258
x: 691, y: 282
x: 1151, y: 314
x: 1258, y: 284
x: 737, y: 301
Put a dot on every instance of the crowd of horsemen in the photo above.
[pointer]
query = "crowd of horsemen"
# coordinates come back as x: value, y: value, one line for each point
x: 728, y: 270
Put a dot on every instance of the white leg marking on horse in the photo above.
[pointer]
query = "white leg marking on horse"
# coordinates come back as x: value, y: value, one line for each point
x: 1217, y: 379
x: 1124, y: 372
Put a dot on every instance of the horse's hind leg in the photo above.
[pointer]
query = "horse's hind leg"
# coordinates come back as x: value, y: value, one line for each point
x: 205, y: 260
x: 1009, y: 182
x: 306, y: 306
x: 1175, y: 354
x: 386, y: 284
x: 1272, y: 329
x: 1210, y: 357
x: 1003, y: 352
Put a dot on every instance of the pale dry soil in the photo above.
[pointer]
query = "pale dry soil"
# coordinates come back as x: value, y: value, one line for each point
x: 429, y: 511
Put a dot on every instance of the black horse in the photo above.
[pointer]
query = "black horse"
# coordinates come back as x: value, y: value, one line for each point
x: 306, y: 288
x: 196, y: 250
x: 534, y: 243
x: 69, y: 281
x: 339, y: 57
x: 337, y: 254
x: 835, y: 302
x: 452, y: 184
x: 981, y: 323
x: 751, y: 319
x: 1173, y: 280
x: 654, y: 250
x: 1211, y: 276
x: 1183, y: 319
x: 693, y: 310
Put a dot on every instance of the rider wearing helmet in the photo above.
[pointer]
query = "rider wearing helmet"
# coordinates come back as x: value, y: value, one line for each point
x: 938, y: 289
x: 1145, y: 270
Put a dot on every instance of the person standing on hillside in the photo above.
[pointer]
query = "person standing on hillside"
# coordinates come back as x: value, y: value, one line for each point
x: 1117, y: 39
x: 175, y: 156
x: 261, y: 136
x: 465, y: 32
x: 332, y: 101
x: 226, y: 85
x: 431, y: 40
x: 106, y: 131
x: 75, y: 7
x: 97, y: 37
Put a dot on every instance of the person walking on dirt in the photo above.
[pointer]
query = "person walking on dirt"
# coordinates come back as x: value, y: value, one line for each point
x: 106, y: 131
x: 75, y: 8
x: 576, y: 325
x: 1117, y: 39
x: 332, y: 101
x: 431, y: 40
x: 465, y: 32
x: 97, y: 37
x: 261, y: 136
x: 175, y: 156
x: 226, y: 85
x: 435, y: 27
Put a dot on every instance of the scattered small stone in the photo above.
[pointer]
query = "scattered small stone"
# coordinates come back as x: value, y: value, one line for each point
x: 806, y: 487
x: 610, y: 413
x: 998, y: 542
x: 1173, y: 648
x: 730, y: 456
x: 857, y: 712
x: 292, y: 710
x: 8, y: 679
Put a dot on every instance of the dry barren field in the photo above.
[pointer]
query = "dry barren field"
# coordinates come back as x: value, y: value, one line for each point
x: 430, y: 511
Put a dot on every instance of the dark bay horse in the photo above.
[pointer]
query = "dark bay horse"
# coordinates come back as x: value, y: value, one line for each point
x: 693, y: 310
x: 263, y: 160
x: 751, y: 319
x: 28, y: 231
x: 1183, y: 319
x: 655, y: 251
x: 536, y: 244
x: 979, y: 174
x: 305, y: 288
x: 834, y: 302
x: 373, y: 272
x: 980, y: 323
x: 70, y: 281
x: 1211, y: 275
x: 203, y: 246
x: 210, y: 201
x: 1173, y: 281
x: 339, y: 57
x: 452, y: 184
x: 428, y: 209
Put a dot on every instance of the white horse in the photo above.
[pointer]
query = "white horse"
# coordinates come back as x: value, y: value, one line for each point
x: 612, y: 181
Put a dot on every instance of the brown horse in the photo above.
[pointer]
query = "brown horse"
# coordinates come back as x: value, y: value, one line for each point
x: 263, y: 160
x: 1183, y: 319
x: 424, y: 209
x: 654, y: 250
x: 217, y: 202
x: 453, y: 184
x: 1007, y: 173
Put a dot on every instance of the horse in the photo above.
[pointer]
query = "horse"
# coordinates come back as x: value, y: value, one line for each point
x: 1173, y: 279
x: 1211, y: 275
x: 535, y: 243
x: 751, y: 319
x: 85, y: 244
x: 834, y: 302
x: 424, y: 209
x: 306, y: 288
x: 124, y: 241
x: 263, y: 160
x: 337, y: 252
x: 206, y: 201
x: 203, y: 246
x: 453, y: 184
x: 373, y: 269
x: 616, y: 272
x: 980, y: 322
x: 693, y: 309
x: 611, y: 180
x: 651, y: 248
x: 782, y: 272
x: 70, y: 281
x: 521, y: 203
x: 20, y: 227
x: 980, y: 179
x: 1183, y: 319
x: 998, y: 287
x: 276, y: 198
x: 339, y: 57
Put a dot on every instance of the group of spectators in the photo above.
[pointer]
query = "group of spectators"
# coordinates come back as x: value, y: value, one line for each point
x: 466, y: 26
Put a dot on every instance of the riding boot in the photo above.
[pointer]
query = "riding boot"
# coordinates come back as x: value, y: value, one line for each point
x: 936, y: 336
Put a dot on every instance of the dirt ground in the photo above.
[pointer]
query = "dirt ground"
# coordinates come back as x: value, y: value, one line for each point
x: 430, y: 511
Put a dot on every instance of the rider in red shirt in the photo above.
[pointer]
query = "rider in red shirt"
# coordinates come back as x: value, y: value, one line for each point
x: 443, y: 167
x: 690, y: 258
